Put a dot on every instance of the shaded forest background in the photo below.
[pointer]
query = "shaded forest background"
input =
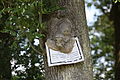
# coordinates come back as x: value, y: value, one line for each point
x: 22, y: 27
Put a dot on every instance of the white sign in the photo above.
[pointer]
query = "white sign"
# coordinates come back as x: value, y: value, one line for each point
x: 57, y: 58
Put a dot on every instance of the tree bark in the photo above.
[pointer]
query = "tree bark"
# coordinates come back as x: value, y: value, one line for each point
x: 5, y: 65
x: 5, y: 57
x: 75, y: 12
x: 115, y: 17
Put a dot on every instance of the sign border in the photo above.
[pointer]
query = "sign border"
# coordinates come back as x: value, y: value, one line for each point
x: 50, y: 63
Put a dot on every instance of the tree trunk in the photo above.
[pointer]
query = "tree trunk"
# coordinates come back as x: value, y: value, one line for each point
x: 75, y: 12
x: 5, y: 57
x: 5, y: 65
x: 115, y: 17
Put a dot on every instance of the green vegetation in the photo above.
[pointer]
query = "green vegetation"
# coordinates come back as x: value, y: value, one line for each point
x: 21, y: 23
x: 105, y: 40
x: 116, y: 1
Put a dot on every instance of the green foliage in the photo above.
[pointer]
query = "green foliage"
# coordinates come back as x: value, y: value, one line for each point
x: 15, y: 78
x: 115, y: 1
x: 89, y: 4
x: 102, y: 42
x: 22, y: 20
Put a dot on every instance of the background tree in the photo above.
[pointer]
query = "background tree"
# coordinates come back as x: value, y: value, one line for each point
x: 19, y: 26
x: 107, y: 26
x: 5, y: 56
x: 5, y: 43
x: 114, y: 16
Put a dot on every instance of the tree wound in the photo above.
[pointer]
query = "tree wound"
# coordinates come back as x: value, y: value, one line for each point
x: 63, y: 40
